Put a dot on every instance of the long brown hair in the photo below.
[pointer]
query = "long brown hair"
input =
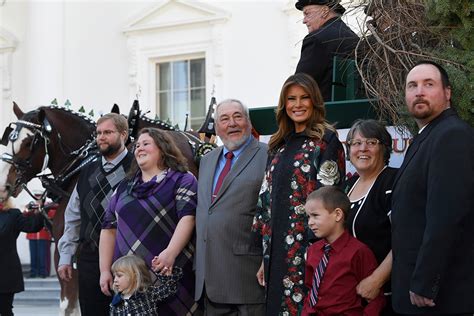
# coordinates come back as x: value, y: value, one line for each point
x: 171, y: 156
x: 317, y: 123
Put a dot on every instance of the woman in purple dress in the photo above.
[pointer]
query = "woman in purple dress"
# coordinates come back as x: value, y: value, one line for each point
x: 152, y: 215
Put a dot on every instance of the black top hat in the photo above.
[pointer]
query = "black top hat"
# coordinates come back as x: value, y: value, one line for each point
x: 334, y: 4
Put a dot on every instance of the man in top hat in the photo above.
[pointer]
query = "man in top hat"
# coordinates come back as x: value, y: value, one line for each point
x: 328, y: 36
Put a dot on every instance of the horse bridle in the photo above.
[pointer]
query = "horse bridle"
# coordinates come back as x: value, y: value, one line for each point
x: 40, y: 132
x: 53, y: 185
x: 82, y: 156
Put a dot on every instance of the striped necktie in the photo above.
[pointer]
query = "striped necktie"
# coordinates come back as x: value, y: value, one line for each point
x: 318, y: 275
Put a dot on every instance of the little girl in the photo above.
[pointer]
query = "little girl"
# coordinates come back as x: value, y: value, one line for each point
x: 135, y: 294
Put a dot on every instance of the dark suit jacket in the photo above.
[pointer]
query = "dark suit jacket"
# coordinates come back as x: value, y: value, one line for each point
x: 334, y: 38
x: 227, y: 255
x: 12, y: 222
x: 433, y: 219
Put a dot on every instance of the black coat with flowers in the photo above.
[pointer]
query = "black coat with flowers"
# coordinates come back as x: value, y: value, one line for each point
x: 297, y: 168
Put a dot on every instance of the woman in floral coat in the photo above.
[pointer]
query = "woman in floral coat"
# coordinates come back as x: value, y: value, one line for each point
x: 305, y: 154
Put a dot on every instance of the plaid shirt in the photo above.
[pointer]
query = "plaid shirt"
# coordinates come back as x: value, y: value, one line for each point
x: 146, y: 303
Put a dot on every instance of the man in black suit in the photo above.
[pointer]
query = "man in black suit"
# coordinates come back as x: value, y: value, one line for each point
x: 433, y: 204
x: 328, y: 36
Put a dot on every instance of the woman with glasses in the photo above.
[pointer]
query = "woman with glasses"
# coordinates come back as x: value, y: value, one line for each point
x: 304, y: 154
x: 369, y: 146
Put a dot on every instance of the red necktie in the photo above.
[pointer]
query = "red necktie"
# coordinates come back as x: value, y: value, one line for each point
x: 318, y: 275
x: 224, y: 172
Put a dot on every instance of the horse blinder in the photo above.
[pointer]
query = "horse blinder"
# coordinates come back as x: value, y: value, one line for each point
x: 6, y: 135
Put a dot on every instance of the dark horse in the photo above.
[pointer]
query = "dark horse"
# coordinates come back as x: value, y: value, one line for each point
x: 49, y: 137
x: 62, y: 140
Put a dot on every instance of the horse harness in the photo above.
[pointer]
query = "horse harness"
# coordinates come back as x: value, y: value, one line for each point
x: 53, y: 185
x: 81, y: 157
x: 198, y: 147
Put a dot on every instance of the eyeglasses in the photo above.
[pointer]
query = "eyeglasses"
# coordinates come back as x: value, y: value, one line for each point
x: 105, y: 133
x: 370, y: 142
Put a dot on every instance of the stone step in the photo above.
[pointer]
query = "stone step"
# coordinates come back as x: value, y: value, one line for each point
x: 50, y: 282
x: 39, y: 291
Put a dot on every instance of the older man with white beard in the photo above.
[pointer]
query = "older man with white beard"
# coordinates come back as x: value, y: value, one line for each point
x: 227, y: 255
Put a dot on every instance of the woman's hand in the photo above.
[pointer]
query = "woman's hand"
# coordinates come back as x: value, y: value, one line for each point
x: 369, y: 288
x: 106, y: 282
x: 164, y: 262
x: 261, y: 275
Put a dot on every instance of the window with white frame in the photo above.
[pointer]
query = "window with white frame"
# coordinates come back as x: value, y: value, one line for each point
x: 181, y: 90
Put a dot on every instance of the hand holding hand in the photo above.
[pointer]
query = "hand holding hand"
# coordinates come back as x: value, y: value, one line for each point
x: 163, y: 262
x: 368, y: 288
x: 106, y: 282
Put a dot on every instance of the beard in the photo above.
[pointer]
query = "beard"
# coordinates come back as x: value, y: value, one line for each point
x: 423, y: 113
x: 236, y: 144
x: 110, y: 149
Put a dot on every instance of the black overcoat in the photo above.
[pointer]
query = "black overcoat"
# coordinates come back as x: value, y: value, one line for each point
x: 334, y: 38
x: 12, y: 222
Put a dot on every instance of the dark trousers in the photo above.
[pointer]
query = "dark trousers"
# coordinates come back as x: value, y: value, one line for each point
x: 388, y: 309
x: 6, y: 304
x: 220, y: 309
x: 91, y: 299
x: 40, y: 257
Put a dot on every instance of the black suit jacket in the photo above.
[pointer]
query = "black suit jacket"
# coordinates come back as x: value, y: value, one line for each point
x: 334, y: 38
x: 433, y: 219
x: 12, y: 222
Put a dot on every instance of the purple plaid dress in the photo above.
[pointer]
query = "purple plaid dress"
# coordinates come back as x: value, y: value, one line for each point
x: 145, y: 216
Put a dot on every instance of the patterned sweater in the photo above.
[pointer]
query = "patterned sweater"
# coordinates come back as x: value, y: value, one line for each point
x: 146, y: 303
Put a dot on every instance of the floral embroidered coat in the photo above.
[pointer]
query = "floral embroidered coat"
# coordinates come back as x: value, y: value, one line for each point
x: 297, y: 168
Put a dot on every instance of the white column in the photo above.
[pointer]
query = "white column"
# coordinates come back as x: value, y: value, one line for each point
x: 45, y: 40
x: 8, y: 44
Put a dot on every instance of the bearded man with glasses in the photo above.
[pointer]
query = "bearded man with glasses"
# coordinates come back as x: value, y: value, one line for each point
x: 85, y: 210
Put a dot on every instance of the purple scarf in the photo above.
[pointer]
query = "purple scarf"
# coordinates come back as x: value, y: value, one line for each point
x: 139, y: 189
